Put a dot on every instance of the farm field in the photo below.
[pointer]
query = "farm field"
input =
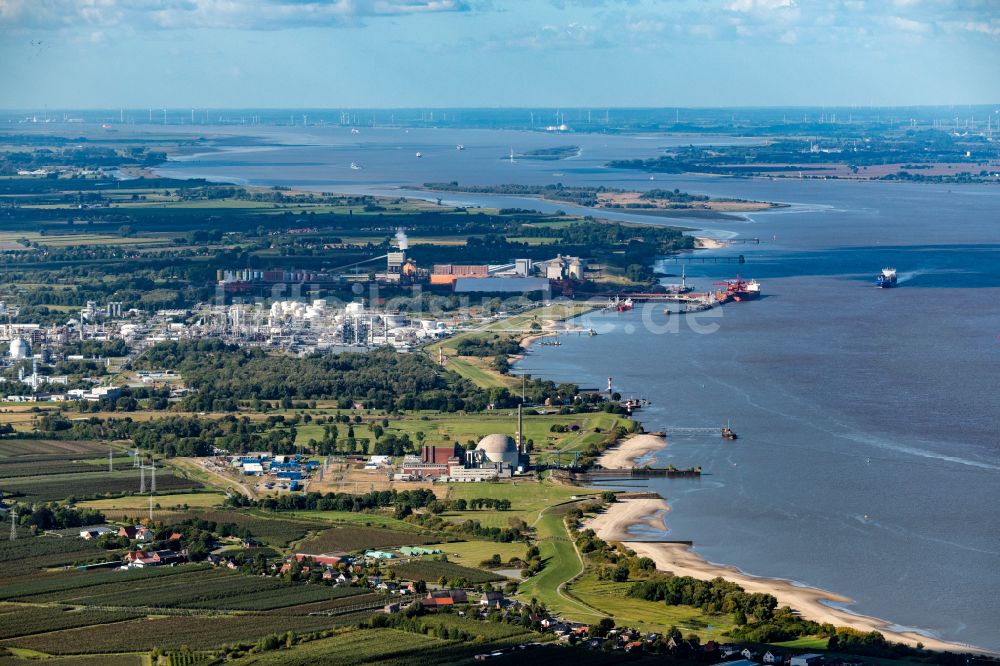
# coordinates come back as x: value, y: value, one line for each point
x: 44, y: 448
x: 196, y: 632
x: 357, y: 518
x: 429, y: 570
x: 22, y: 620
x: 272, y: 529
x: 46, y: 487
x: 358, y: 646
x: 354, y: 538
x: 403, y: 648
x: 194, y: 500
x: 83, y: 660
x: 197, y: 587
x: 28, y: 554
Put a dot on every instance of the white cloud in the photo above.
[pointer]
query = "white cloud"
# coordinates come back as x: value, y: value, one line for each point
x: 904, y: 24
x: 759, y: 5
x: 991, y: 29
x: 246, y: 14
x: 552, y: 36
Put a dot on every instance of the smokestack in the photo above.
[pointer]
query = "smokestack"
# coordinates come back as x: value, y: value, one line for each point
x: 520, y: 449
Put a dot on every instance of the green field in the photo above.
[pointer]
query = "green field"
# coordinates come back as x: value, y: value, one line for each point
x: 195, y: 500
x: 528, y: 499
x: 562, y: 563
x: 610, y: 598
x: 471, y: 553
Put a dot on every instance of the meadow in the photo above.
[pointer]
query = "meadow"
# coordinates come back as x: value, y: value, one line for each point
x: 471, y: 553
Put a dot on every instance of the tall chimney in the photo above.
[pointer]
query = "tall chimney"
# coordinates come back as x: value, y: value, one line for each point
x: 520, y: 448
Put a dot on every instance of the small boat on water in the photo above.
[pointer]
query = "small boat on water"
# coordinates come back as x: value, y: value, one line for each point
x: 459, y: 147
x: 355, y: 166
x: 419, y: 154
x: 886, y: 279
x: 727, y: 433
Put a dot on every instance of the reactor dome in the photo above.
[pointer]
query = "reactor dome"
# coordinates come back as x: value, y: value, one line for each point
x: 499, y: 448
x: 19, y: 349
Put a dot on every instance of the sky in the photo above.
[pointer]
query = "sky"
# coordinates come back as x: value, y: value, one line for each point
x: 80, y: 54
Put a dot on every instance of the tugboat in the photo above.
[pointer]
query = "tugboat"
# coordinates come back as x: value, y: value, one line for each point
x: 727, y: 432
x: 886, y: 279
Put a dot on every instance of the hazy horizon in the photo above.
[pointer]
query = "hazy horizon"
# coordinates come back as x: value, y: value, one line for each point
x: 365, y: 54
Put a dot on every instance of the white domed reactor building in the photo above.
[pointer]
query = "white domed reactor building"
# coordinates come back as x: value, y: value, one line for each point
x: 499, y: 448
x: 19, y: 349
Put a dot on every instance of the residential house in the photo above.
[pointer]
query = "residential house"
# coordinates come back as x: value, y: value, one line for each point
x: 729, y: 649
x: 492, y: 600
x: 435, y: 602
x: 95, y: 532
x: 134, y: 532
x: 773, y: 657
x: 140, y: 559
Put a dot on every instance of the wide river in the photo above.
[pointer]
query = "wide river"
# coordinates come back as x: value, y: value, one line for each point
x: 869, y: 454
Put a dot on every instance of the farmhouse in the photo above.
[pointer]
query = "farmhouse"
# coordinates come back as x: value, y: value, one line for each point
x: 134, y: 532
x: 141, y: 559
x: 95, y: 532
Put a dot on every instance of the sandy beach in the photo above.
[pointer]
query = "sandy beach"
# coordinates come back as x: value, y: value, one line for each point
x: 624, y: 455
x: 702, y: 243
x: 680, y: 560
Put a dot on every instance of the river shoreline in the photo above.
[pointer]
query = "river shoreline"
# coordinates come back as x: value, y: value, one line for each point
x: 624, y: 454
x: 679, y: 559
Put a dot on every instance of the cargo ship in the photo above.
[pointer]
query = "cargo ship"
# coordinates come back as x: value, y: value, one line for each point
x: 738, y: 290
x: 886, y: 279
x: 620, y: 305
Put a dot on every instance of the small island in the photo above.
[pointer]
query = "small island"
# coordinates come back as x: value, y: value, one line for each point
x: 654, y: 201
